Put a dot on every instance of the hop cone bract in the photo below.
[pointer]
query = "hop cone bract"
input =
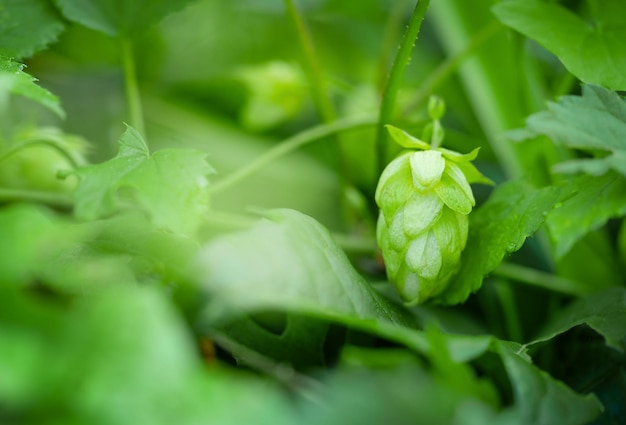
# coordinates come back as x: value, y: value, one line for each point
x: 424, y: 198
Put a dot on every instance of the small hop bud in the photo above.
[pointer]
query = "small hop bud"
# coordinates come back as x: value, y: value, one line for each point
x: 424, y: 198
x: 436, y: 107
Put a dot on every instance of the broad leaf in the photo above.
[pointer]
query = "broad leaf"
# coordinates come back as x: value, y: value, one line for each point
x: 593, y: 52
x: 514, y: 212
x: 119, y: 17
x: 170, y: 186
x: 13, y: 80
x: 595, y: 121
x: 27, y: 26
x: 604, y: 312
x: 598, y: 199
x: 290, y: 262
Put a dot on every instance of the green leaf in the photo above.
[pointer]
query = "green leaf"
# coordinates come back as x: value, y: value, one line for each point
x: 405, y: 140
x: 595, y: 121
x: 25, y: 231
x: 514, y: 212
x: 604, y: 312
x: 119, y: 17
x: 300, y: 344
x: 131, y: 332
x: 14, y: 80
x: 170, y: 186
x: 592, y: 52
x: 289, y: 262
x: 27, y: 26
x: 598, y: 199
x: 540, y: 399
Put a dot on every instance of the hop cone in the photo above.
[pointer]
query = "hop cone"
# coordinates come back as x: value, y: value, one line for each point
x: 424, y: 198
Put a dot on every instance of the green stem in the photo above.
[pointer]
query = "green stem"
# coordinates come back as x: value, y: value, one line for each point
x: 534, y: 277
x: 394, y: 81
x: 303, y: 384
x: 318, y: 84
x: 34, y: 142
x: 305, y: 137
x: 133, y: 98
x: 392, y: 31
x: 355, y: 244
x: 451, y: 65
x: 565, y: 84
x: 54, y: 199
x: 504, y: 292
x: 487, y: 78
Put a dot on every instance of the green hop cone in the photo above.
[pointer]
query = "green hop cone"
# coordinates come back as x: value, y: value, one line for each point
x: 424, y: 197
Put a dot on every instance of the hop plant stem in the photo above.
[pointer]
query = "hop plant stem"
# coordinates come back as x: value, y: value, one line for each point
x: 133, y: 98
x: 395, y: 81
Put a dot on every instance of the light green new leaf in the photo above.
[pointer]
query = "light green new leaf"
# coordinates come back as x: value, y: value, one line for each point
x: 514, y: 212
x: 595, y: 53
x: 13, y: 80
x: 170, y: 186
x: 27, y: 26
x: 289, y: 262
x: 119, y: 17
x: 542, y: 400
x: 595, y: 121
x: 604, y: 312
x: 597, y: 200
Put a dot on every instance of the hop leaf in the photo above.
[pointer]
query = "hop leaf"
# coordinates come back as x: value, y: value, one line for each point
x: 424, y: 198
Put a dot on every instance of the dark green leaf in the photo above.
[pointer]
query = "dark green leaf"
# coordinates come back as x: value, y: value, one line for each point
x: 604, y: 312
x: 14, y: 80
x: 27, y: 26
x: 598, y: 199
x: 594, y: 121
x: 300, y: 344
x: 540, y: 399
x: 592, y: 52
x: 170, y: 186
x: 119, y: 17
x: 514, y: 212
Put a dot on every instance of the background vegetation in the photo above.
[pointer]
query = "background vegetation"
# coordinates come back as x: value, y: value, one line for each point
x: 214, y: 259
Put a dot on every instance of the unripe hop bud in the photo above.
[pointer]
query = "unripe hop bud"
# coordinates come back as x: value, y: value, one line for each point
x: 424, y: 198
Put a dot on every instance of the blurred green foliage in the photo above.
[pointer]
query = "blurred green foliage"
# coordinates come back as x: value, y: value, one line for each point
x: 130, y: 292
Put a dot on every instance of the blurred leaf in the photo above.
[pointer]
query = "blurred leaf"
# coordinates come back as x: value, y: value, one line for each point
x: 592, y: 52
x: 27, y: 26
x: 170, y: 186
x: 30, y: 330
x: 132, y: 333
x: 604, y: 312
x: 26, y: 231
x: 14, y: 80
x: 119, y: 17
x: 277, y: 186
x: 513, y: 212
x: 598, y: 199
x: 290, y: 263
x: 276, y: 93
x: 592, y: 262
x: 403, y: 395
x: 594, y: 121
